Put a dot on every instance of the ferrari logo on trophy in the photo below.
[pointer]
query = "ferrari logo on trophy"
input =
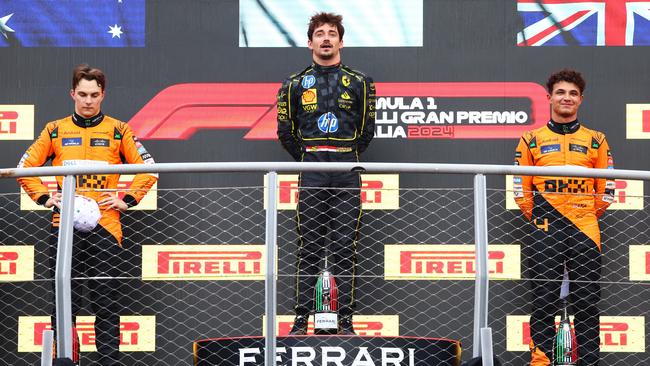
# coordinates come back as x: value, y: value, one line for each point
x: 326, y: 300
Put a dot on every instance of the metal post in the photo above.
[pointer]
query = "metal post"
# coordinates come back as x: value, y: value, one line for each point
x: 481, y: 240
x: 486, y: 347
x: 63, y: 271
x: 46, y: 354
x: 270, y: 282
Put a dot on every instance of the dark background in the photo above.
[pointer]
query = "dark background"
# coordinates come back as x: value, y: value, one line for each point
x: 197, y: 42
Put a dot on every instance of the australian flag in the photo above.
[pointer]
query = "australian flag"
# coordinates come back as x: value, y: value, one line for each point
x: 72, y: 23
x: 584, y: 22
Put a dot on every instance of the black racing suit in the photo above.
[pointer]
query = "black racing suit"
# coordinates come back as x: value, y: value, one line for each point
x: 327, y: 114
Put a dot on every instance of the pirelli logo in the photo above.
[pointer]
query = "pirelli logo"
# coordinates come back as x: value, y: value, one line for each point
x: 639, y: 262
x: 16, y: 122
x: 617, y: 333
x: 16, y: 263
x: 449, y: 262
x: 629, y: 195
x: 378, y: 191
x: 137, y: 333
x: 148, y: 203
x: 364, y: 325
x: 637, y: 124
x: 203, y: 262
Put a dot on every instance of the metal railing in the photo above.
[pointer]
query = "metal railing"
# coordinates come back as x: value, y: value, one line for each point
x: 481, y: 337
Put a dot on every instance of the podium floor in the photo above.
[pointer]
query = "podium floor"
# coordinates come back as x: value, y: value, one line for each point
x: 329, y: 350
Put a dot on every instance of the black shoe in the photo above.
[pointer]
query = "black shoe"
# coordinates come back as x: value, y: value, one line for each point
x: 299, y: 325
x: 345, y: 326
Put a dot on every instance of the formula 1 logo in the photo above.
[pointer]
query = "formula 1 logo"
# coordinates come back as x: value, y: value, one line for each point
x: 472, y: 110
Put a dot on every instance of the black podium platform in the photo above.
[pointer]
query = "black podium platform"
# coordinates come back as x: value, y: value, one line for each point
x: 329, y: 351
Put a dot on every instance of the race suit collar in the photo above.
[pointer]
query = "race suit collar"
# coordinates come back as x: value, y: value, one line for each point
x: 563, y: 128
x: 326, y: 69
x: 87, y: 122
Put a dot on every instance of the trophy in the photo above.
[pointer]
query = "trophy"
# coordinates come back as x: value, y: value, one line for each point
x: 565, y: 346
x: 326, y: 300
x: 565, y: 350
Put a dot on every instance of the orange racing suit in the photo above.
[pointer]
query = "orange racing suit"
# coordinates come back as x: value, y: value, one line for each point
x: 100, y: 140
x: 573, y: 197
x: 566, y: 234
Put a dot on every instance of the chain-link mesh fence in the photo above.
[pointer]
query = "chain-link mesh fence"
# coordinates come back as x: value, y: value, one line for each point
x: 547, y: 243
x: 193, y: 268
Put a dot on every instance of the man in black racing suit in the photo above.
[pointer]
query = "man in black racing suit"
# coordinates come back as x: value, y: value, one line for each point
x: 326, y: 113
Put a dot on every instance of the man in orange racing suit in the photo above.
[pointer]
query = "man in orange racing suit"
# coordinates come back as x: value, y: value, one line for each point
x: 565, y: 213
x: 89, y: 137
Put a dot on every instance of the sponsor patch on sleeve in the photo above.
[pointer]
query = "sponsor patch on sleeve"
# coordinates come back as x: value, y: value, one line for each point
x: 309, y: 96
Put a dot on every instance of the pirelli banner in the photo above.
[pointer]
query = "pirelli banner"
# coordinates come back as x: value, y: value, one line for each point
x: 137, y: 333
x: 17, y: 122
x: 203, y: 262
x: 364, y: 325
x: 639, y: 262
x: 449, y: 262
x: 16, y: 263
x: 637, y: 121
x: 149, y: 202
x: 378, y: 191
x: 617, y: 333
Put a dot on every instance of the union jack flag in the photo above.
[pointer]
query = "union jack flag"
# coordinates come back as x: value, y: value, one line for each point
x: 584, y: 22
